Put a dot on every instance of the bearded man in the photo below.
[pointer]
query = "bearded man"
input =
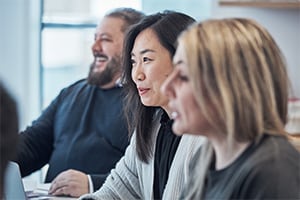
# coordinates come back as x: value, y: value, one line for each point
x: 82, y: 133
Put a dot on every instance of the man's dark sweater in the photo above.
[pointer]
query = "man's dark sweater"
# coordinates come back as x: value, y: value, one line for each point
x: 82, y: 129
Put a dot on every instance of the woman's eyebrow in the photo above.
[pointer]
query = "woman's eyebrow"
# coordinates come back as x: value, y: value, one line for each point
x: 143, y: 51
x: 146, y: 51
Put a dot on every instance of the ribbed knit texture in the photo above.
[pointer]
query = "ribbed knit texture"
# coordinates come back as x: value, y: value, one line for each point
x: 133, y: 179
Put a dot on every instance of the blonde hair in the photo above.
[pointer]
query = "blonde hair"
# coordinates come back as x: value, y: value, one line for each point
x: 237, y: 69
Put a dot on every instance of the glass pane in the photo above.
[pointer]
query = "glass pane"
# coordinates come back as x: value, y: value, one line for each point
x: 66, y: 58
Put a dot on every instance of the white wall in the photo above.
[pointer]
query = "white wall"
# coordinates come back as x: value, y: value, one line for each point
x: 19, y: 54
x: 283, y: 24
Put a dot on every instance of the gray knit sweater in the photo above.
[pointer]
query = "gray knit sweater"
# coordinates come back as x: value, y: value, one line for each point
x: 133, y: 179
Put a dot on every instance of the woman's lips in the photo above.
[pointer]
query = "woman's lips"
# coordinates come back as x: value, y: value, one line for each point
x: 143, y: 91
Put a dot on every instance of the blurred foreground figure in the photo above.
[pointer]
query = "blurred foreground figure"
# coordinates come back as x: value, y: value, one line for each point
x: 8, y: 132
x: 230, y: 85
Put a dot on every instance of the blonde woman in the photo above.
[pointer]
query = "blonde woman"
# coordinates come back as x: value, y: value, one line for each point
x: 230, y: 85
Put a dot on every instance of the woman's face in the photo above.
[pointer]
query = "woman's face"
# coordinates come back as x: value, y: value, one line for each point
x: 151, y: 64
x: 185, y: 110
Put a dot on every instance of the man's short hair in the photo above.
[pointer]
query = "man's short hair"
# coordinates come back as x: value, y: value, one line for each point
x: 129, y: 15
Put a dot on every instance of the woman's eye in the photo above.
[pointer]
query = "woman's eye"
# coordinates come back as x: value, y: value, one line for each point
x: 146, y: 59
x: 132, y: 62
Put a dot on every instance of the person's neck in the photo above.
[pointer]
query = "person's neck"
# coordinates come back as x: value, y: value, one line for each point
x: 111, y: 84
x: 225, y: 153
x: 108, y: 85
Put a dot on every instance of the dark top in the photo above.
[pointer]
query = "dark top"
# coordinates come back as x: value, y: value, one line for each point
x: 82, y: 129
x: 267, y: 170
x: 165, y: 149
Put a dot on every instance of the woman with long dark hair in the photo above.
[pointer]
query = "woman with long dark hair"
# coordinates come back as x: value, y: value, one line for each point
x: 156, y: 162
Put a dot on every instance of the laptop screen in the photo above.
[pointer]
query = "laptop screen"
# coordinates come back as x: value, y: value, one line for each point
x: 13, y: 185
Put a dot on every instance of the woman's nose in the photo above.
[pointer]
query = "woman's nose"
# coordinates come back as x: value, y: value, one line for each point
x: 141, y: 76
x: 138, y: 74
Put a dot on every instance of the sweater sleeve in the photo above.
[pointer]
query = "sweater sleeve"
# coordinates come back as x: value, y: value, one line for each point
x: 36, y: 142
x: 123, y: 181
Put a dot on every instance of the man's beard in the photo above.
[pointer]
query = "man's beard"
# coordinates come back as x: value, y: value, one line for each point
x: 107, y: 75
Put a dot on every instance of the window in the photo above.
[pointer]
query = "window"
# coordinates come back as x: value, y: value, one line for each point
x: 67, y: 36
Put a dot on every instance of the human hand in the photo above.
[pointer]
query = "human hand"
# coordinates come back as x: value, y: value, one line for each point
x: 71, y: 182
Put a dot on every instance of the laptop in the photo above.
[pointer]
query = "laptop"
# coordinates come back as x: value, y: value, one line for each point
x: 15, y: 190
x: 13, y: 185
